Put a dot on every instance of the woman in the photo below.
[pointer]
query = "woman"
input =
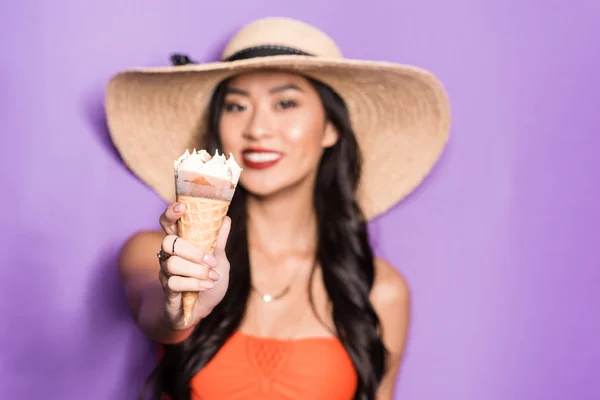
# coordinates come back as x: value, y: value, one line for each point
x: 292, y: 303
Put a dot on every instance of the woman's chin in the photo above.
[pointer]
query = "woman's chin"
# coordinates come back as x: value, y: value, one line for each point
x: 260, y: 189
x: 264, y: 188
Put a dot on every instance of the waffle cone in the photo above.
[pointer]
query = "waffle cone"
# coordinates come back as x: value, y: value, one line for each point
x: 200, y: 224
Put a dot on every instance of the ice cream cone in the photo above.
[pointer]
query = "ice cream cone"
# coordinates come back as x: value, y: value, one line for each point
x: 200, y: 224
x: 206, y: 185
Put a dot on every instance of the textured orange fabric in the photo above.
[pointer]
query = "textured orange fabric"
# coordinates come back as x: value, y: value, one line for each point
x: 250, y: 367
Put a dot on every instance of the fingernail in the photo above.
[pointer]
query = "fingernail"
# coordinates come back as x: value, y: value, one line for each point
x: 179, y: 207
x: 207, y: 284
x: 210, y: 260
x: 214, y: 275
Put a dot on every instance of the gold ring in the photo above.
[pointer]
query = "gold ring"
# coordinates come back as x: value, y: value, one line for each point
x: 173, y: 247
x: 162, y: 255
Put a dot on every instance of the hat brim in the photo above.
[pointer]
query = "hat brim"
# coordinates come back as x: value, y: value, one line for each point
x: 400, y: 114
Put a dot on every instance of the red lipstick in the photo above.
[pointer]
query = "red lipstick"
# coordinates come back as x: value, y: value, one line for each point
x: 260, y: 158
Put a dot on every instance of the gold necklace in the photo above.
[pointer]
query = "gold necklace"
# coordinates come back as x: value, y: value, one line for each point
x: 268, y: 297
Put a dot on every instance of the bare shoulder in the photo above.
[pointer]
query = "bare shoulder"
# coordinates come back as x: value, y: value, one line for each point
x: 390, y: 288
x: 138, y: 249
x: 391, y: 299
x: 138, y: 263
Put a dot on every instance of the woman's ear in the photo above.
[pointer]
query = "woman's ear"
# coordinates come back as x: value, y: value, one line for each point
x: 330, y: 136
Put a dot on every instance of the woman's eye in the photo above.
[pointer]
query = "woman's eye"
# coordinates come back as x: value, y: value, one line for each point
x: 234, y: 107
x: 286, y: 104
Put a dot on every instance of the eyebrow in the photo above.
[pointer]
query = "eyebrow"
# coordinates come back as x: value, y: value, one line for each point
x: 282, y: 88
x: 241, y: 92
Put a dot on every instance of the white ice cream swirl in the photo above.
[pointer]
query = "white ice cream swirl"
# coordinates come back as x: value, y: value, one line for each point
x: 202, y: 163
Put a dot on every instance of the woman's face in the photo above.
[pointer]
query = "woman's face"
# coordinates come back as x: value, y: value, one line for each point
x: 274, y: 125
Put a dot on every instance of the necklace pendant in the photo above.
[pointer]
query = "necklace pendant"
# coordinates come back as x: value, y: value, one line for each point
x: 267, y: 298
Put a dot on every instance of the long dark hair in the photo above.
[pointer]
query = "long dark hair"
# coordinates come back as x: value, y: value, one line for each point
x: 343, y: 251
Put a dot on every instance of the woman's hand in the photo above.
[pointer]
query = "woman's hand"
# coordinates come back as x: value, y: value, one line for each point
x: 190, y: 269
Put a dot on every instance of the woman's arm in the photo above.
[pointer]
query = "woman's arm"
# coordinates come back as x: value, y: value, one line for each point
x: 391, y: 299
x: 139, y: 269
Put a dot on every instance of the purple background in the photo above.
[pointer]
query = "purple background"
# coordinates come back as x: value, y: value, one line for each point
x: 500, y: 246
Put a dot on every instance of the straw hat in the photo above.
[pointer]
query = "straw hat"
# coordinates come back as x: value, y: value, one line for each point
x: 401, y: 114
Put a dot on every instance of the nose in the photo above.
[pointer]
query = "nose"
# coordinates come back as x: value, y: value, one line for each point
x: 260, y: 125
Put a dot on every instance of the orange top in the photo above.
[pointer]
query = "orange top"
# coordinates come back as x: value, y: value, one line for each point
x: 251, y: 367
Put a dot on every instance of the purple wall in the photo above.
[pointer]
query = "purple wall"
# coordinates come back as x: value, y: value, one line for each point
x: 500, y: 245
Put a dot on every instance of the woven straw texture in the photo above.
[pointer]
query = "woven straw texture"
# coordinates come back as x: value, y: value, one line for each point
x: 400, y: 113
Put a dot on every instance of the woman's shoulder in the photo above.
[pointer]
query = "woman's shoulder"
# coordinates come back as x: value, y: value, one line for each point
x: 390, y: 297
x: 137, y: 245
x: 390, y: 287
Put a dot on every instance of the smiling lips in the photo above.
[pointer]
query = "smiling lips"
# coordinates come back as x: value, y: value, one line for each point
x: 260, y: 158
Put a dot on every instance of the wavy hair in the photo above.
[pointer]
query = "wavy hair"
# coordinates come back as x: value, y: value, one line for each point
x: 343, y: 251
